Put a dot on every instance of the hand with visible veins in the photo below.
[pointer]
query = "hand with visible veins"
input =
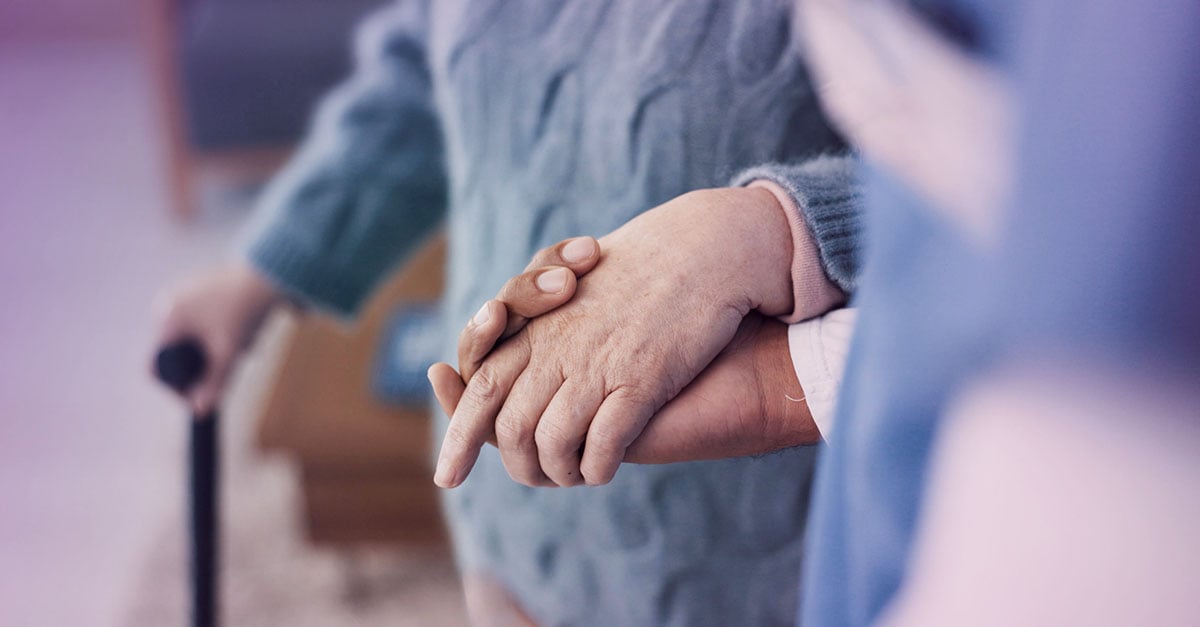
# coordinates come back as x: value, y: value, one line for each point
x: 569, y: 394
x: 746, y: 402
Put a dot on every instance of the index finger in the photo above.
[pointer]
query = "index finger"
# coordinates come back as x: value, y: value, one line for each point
x: 474, y: 418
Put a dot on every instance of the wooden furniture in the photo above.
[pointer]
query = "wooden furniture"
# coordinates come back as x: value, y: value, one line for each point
x: 366, y: 467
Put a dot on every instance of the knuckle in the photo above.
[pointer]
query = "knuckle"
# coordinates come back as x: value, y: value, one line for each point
x: 485, y: 385
x: 636, y: 397
x: 606, y: 439
x: 552, y: 436
x: 514, y: 432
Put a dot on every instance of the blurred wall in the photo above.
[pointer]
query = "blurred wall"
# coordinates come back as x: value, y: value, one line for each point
x: 67, y: 20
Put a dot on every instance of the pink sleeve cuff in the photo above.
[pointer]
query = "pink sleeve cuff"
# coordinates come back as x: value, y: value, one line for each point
x: 812, y: 291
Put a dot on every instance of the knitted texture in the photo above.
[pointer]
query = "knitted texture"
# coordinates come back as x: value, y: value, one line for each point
x: 369, y: 182
x: 827, y: 193
x: 525, y: 123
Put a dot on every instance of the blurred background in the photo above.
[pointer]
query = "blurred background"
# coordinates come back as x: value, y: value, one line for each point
x: 134, y: 135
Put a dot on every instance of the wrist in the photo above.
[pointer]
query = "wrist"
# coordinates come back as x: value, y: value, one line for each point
x: 813, y: 293
x: 258, y: 293
x: 785, y: 411
x: 766, y: 266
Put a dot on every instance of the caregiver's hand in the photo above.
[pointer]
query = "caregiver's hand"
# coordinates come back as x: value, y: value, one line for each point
x: 746, y: 402
x: 671, y: 289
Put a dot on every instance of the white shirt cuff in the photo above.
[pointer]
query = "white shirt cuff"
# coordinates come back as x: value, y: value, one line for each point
x: 819, y: 348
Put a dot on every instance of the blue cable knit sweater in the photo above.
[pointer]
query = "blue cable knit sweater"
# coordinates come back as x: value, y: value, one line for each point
x: 524, y: 123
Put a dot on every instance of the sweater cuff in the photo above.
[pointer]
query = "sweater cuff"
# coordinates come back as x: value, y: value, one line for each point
x: 812, y: 292
x: 306, y: 277
x: 824, y: 197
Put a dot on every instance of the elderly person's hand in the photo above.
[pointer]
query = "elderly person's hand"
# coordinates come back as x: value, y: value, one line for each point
x: 567, y: 395
x: 223, y: 309
x: 746, y: 402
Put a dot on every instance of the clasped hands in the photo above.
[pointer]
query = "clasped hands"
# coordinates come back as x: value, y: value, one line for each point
x: 655, y: 344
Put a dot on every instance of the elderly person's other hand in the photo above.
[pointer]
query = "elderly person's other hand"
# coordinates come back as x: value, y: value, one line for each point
x: 567, y: 395
x: 223, y: 309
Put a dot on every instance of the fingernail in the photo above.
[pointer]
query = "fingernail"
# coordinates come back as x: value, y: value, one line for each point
x: 482, y: 315
x: 552, y: 281
x: 442, y: 476
x: 445, y: 476
x: 578, y: 249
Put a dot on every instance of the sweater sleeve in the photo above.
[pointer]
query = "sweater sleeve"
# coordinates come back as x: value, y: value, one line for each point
x: 368, y: 183
x: 824, y: 200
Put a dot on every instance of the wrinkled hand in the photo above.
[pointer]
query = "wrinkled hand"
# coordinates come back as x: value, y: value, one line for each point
x: 569, y: 394
x: 548, y: 282
x: 746, y: 402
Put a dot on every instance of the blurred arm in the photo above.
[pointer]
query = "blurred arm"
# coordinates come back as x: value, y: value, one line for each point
x: 368, y: 183
x: 1064, y: 487
x: 1048, y: 505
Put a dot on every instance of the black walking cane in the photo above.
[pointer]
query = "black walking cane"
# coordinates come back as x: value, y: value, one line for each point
x: 180, y: 365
